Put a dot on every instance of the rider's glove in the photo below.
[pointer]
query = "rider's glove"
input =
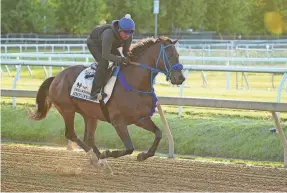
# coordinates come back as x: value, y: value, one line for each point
x: 125, y: 60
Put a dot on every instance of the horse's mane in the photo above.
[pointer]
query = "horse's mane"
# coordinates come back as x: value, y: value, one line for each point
x: 139, y: 47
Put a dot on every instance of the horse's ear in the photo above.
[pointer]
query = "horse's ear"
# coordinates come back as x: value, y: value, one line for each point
x: 174, y: 42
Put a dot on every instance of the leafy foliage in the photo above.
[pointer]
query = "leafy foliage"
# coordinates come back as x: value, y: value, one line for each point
x: 81, y: 16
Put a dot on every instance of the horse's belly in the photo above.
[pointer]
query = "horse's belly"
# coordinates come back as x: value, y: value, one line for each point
x: 132, y: 106
x: 145, y: 110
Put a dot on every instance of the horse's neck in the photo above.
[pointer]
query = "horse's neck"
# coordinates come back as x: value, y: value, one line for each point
x: 138, y: 77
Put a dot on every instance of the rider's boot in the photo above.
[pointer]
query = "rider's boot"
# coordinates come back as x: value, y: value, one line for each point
x: 99, y: 78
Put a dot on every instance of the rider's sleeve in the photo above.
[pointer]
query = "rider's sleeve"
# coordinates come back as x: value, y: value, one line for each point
x: 126, y: 46
x: 107, y: 41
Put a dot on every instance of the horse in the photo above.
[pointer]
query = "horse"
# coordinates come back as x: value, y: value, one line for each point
x: 132, y: 101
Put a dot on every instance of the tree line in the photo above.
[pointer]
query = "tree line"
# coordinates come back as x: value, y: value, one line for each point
x: 81, y: 16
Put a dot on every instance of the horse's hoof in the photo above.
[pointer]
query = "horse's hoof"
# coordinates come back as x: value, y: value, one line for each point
x: 102, y: 162
x: 93, y: 158
x: 95, y: 163
x: 141, y: 156
x: 71, y: 146
x: 105, y: 154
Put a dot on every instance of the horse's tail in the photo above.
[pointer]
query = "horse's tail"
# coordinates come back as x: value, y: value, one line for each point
x: 43, y: 104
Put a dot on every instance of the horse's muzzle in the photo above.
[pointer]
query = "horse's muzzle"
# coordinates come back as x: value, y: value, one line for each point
x: 181, y: 78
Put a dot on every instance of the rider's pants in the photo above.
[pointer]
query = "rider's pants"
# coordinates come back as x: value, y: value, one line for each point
x: 103, y: 64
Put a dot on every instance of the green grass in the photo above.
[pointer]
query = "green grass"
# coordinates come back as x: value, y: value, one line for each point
x: 208, y: 132
x: 197, y: 135
x: 260, y: 90
x: 216, y: 80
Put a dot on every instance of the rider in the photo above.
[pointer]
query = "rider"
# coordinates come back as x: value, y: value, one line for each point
x: 103, y: 42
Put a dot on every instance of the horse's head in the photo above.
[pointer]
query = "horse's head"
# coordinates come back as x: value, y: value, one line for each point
x: 167, y: 60
x: 162, y: 57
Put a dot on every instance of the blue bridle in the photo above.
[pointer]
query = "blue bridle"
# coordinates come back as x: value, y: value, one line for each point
x: 167, y: 65
x: 154, y: 71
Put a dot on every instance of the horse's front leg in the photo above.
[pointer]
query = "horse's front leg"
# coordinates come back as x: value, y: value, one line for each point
x: 149, y: 125
x: 123, y: 133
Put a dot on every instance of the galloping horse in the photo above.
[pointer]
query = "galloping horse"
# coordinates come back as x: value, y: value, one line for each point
x: 132, y: 102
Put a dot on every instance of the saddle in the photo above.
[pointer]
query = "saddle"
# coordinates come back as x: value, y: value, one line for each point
x: 82, y: 87
x: 109, y: 72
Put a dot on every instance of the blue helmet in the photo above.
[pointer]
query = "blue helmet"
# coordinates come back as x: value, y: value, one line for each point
x: 126, y: 24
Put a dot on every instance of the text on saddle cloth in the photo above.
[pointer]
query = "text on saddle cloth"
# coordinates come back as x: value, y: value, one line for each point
x: 82, y: 87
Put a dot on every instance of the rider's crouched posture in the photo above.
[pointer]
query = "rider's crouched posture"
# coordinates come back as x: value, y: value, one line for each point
x: 103, y: 42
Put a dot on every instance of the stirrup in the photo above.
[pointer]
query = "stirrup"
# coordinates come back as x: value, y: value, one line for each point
x: 94, y: 96
x: 94, y: 66
x: 99, y: 96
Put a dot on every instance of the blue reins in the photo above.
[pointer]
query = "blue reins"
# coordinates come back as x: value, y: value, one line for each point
x: 153, y: 72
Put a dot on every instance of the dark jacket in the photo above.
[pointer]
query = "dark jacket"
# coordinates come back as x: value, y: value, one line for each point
x: 106, y: 37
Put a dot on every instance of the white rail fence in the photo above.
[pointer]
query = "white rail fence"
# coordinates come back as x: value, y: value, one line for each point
x: 61, y: 39
x: 198, y: 102
x: 265, y: 59
x: 202, y: 50
x: 183, y: 42
x: 282, y: 60
x: 188, y: 68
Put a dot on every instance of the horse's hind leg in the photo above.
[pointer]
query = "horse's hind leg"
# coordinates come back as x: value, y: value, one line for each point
x: 90, y: 129
x: 72, y: 145
x: 123, y: 133
x: 71, y: 135
x: 149, y: 125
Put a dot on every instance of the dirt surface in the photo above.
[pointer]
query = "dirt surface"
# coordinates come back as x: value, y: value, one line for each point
x: 26, y: 168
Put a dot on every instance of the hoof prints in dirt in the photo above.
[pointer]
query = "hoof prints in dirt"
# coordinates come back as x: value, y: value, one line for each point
x: 26, y: 168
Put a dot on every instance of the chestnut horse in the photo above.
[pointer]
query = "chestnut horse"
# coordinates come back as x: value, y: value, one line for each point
x: 132, y: 102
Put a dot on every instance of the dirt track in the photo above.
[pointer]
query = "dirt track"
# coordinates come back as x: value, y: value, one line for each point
x: 41, y: 169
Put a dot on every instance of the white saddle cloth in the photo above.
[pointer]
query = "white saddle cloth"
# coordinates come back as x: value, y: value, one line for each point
x: 83, y: 85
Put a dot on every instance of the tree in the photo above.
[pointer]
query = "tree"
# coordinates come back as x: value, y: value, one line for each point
x: 141, y: 12
x: 26, y: 16
x: 259, y: 10
x: 81, y: 16
x: 228, y: 16
x: 78, y: 16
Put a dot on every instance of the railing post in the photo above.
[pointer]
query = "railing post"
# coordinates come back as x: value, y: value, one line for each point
x: 167, y: 131
x: 227, y: 78
x: 16, y: 78
x: 204, y: 79
x: 280, y: 88
x: 246, y: 80
x: 50, y: 68
x: 30, y: 71
x: 281, y: 135
x: 8, y: 70
x: 45, y: 71
x: 186, y: 72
